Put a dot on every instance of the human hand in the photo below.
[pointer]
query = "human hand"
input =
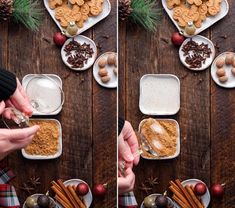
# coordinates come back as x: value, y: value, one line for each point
x: 20, y: 100
x: 13, y: 139
x: 128, y: 145
x: 126, y: 183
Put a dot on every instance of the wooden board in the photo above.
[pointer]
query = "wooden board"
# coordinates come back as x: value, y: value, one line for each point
x: 83, y: 117
x: 206, y: 115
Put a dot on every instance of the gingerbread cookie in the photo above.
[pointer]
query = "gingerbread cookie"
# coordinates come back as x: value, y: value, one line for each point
x: 54, y: 3
x: 202, y: 15
x: 196, y: 2
x: 78, y: 2
x: 213, y: 7
x: 172, y: 3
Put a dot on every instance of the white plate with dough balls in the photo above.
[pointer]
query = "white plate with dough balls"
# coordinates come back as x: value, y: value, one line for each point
x: 223, y: 70
x: 105, y: 70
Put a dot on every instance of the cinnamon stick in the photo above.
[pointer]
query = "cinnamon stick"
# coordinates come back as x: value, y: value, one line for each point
x: 57, y: 186
x: 186, y: 194
x: 175, y: 186
x: 77, y: 199
x: 179, y: 202
x: 61, y: 195
x: 61, y: 202
x: 70, y: 197
x: 195, y: 199
x: 179, y: 195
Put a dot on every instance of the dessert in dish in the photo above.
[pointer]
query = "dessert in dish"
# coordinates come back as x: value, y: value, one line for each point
x: 46, y: 140
x: 161, y: 135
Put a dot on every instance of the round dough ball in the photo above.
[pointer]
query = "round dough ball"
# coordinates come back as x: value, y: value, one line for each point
x: 115, y: 70
x: 105, y: 79
x: 220, y: 72
x: 102, y: 62
x: 111, y: 59
x: 223, y: 79
x: 229, y: 59
x: 233, y: 71
x: 103, y: 72
x: 220, y: 62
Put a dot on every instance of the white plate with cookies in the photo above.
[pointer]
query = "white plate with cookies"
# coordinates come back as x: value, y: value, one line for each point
x: 105, y: 70
x: 202, y: 16
x: 84, y: 13
x: 223, y: 70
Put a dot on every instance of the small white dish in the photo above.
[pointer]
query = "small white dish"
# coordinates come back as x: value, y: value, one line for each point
x: 36, y: 197
x: 177, y: 141
x: 48, y: 157
x: 171, y: 203
x: 231, y: 78
x: 113, y: 78
x: 55, y: 78
x: 91, y: 21
x: 159, y: 94
x: 206, y: 197
x: 80, y: 39
x: 198, y: 39
x: 87, y: 198
x: 206, y: 23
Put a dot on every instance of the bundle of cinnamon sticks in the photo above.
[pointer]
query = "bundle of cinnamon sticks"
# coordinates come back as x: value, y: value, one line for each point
x: 66, y: 195
x: 184, y: 196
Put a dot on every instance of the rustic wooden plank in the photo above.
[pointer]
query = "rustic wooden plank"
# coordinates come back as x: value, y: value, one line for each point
x: 32, y: 54
x: 150, y: 53
x: 121, y: 66
x: 3, y: 44
x: 104, y: 117
x: 223, y: 119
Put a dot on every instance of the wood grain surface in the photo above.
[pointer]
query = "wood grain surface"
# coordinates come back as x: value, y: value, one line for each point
x: 206, y: 116
x: 88, y: 117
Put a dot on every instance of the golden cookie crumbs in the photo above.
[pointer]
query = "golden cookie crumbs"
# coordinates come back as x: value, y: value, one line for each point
x: 46, y: 140
x: 161, y: 136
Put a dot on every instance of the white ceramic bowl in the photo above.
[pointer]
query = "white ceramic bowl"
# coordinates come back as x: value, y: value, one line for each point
x: 80, y: 39
x: 87, y: 24
x: 113, y: 78
x: 48, y: 157
x: 87, y: 198
x: 198, y: 39
x: 205, y: 24
x: 159, y: 94
x: 27, y: 78
x: 206, y: 197
x: 177, y: 141
x: 231, y: 78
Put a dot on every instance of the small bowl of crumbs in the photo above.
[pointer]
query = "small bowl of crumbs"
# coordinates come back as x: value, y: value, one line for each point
x: 47, y: 142
x: 161, y: 136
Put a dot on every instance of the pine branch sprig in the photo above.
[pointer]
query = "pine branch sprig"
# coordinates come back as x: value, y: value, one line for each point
x: 28, y: 13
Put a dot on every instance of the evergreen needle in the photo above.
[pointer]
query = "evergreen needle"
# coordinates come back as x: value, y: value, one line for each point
x: 146, y: 13
x: 28, y: 13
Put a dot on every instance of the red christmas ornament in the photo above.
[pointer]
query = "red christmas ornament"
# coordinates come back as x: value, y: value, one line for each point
x: 82, y: 189
x: 177, y: 39
x: 99, y: 190
x: 59, y: 39
x: 200, y: 189
x: 217, y: 190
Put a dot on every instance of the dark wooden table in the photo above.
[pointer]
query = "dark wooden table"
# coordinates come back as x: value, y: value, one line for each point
x: 207, y: 113
x: 88, y: 117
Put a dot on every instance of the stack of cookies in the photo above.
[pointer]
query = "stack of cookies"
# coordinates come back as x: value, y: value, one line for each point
x: 77, y: 11
x: 196, y: 11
